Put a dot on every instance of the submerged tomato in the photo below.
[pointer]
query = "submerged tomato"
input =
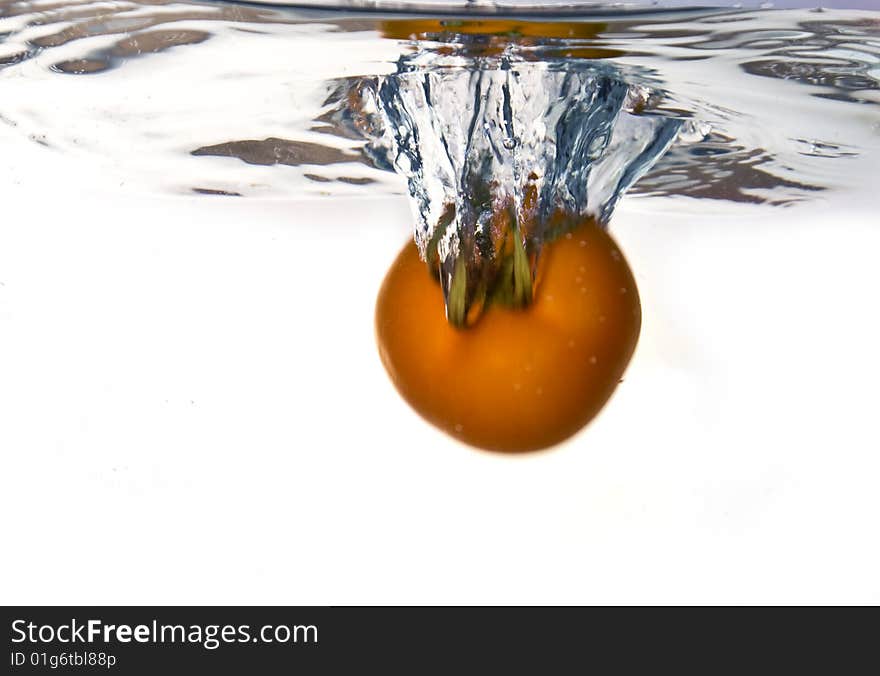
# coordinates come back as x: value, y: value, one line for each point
x: 523, y: 379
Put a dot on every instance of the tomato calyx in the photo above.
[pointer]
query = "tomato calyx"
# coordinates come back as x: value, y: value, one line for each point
x: 506, y: 280
x: 501, y: 270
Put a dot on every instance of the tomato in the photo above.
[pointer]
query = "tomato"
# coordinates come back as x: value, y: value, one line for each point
x: 519, y: 379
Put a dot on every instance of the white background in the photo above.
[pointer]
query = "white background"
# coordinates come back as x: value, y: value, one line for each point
x: 192, y: 410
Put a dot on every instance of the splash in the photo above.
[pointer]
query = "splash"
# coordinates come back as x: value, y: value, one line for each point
x: 502, y: 151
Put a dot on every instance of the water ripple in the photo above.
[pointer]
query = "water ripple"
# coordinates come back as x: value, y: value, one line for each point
x: 228, y: 100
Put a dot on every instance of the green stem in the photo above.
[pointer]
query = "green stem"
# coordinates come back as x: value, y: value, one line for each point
x: 456, y: 301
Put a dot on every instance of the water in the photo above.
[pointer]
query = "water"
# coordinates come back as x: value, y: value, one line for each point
x: 780, y: 104
x: 769, y: 107
x: 191, y: 242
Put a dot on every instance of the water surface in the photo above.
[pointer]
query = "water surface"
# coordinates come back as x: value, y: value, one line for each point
x: 224, y: 100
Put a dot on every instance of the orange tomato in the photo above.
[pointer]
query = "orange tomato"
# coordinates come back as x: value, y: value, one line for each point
x: 520, y: 379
